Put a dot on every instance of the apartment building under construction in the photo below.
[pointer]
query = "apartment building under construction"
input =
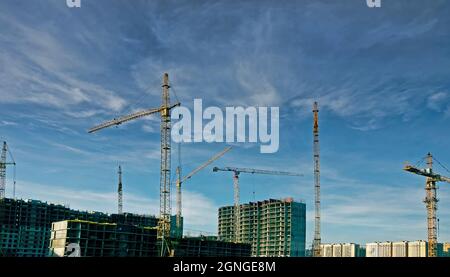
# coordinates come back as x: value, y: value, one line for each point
x: 209, y: 247
x: 274, y: 228
x: 25, y: 225
x: 94, y: 239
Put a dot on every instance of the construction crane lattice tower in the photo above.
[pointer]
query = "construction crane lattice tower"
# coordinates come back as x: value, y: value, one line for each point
x: 316, y: 149
x: 3, y: 164
x: 120, y: 193
x: 237, y: 208
x: 431, y: 205
x: 430, y: 200
x: 3, y: 171
x: 164, y: 182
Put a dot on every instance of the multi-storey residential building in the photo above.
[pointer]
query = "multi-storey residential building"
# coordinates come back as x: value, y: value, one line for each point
x: 272, y: 227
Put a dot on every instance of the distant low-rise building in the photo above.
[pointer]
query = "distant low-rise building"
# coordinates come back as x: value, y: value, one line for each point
x: 340, y: 250
x: 400, y: 249
x: 372, y: 249
x: 326, y: 250
x: 385, y: 249
x: 350, y: 250
x: 337, y: 250
x: 417, y: 248
x: 446, y: 249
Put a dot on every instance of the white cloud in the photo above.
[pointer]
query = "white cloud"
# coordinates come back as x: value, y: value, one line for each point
x: 7, y: 123
x: 149, y: 129
x: 390, y: 33
x: 256, y: 85
x: 71, y: 149
x: 437, y: 101
x: 83, y: 114
x: 76, y: 199
x: 154, y: 154
x: 40, y: 71
x: 370, y: 125
x: 199, y: 211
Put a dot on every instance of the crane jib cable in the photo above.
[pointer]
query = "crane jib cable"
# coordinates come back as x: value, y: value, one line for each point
x: 444, y: 167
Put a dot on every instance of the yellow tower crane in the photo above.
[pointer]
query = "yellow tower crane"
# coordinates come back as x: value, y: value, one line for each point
x: 180, y: 181
x: 430, y: 200
x: 316, y: 157
x: 164, y: 201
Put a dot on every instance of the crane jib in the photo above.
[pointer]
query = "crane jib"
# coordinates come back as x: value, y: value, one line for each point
x: 256, y: 171
x: 123, y: 119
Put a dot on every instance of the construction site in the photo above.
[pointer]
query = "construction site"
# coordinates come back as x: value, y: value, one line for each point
x: 266, y: 228
x: 194, y: 137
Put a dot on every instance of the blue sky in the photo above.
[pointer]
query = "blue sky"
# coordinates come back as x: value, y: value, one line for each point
x: 380, y: 76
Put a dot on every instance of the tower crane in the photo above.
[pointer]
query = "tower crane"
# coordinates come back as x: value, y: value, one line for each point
x: 120, y: 193
x: 236, y: 172
x: 3, y: 164
x: 180, y: 181
x: 430, y: 199
x: 164, y: 111
x: 316, y: 157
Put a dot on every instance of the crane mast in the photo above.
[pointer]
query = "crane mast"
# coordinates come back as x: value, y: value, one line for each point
x: 431, y: 204
x: 164, y: 182
x: 179, y: 199
x: 3, y: 164
x: 430, y: 200
x: 237, y: 208
x: 120, y: 193
x: 316, y: 149
x: 179, y: 203
x: 236, y: 171
x: 3, y: 171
